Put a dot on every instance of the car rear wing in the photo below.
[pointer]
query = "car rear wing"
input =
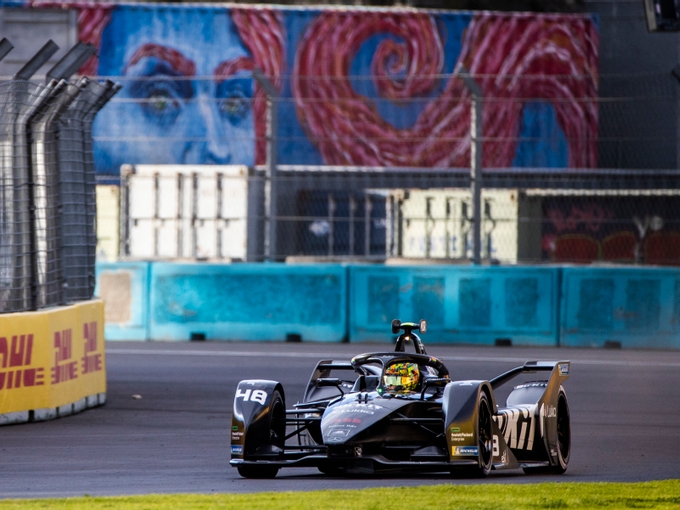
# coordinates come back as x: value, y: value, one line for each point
x: 531, y: 367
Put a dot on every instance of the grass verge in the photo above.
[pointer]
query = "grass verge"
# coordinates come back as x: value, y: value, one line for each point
x: 660, y: 494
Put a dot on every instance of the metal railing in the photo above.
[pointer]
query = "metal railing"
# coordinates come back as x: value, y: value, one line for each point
x: 47, y: 186
x: 611, y: 193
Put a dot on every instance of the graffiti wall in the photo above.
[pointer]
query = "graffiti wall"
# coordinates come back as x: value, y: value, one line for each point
x: 642, y: 229
x: 358, y: 86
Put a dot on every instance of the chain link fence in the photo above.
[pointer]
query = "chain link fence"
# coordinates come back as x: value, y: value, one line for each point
x: 584, y: 179
x: 47, y: 193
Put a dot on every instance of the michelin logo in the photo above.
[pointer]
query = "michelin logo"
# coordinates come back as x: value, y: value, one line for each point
x: 237, y: 449
x: 465, y: 450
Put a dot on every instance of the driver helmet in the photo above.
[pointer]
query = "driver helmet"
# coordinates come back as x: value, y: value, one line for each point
x: 401, y: 377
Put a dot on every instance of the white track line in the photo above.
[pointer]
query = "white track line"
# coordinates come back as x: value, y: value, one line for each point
x: 331, y: 355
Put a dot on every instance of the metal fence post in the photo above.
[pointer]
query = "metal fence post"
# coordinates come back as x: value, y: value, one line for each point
x: 126, y: 173
x: 271, y: 191
x: 476, y: 135
x: 103, y: 92
x: 52, y: 174
x: 22, y: 98
x: 32, y: 116
x: 47, y: 206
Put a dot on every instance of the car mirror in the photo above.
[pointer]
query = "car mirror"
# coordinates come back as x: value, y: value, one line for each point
x: 328, y: 381
x: 432, y: 382
x: 437, y: 381
x: 396, y: 324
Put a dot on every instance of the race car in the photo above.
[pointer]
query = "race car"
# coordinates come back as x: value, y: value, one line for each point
x: 391, y: 411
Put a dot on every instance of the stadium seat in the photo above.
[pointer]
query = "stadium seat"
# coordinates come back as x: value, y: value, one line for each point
x: 663, y: 248
x: 577, y: 248
x: 619, y: 247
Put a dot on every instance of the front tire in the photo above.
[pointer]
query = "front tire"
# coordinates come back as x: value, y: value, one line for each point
x: 258, y: 471
x: 275, y: 434
x: 484, y: 440
x: 484, y: 435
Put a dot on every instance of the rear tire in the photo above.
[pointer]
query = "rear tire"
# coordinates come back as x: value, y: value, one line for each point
x: 563, y: 445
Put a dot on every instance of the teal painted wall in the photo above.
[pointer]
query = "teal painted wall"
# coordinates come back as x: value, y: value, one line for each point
x: 639, y: 308
x: 543, y: 305
x: 248, y: 301
x: 460, y: 303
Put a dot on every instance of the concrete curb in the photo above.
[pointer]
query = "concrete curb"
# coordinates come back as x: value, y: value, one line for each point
x: 51, y: 413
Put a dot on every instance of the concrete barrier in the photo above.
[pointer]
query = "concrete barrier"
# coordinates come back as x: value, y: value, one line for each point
x: 124, y: 288
x: 248, y: 301
x: 571, y: 306
x: 52, y: 362
x: 627, y: 307
x: 461, y: 303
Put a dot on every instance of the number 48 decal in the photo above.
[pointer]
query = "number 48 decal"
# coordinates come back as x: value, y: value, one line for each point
x: 258, y: 396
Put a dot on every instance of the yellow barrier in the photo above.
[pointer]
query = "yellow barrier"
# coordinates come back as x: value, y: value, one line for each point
x: 52, y: 362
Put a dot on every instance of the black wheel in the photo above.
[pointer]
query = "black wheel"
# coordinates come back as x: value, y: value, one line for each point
x: 563, y: 439
x: 258, y: 471
x: 485, y: 435
x: 485, y: 441
x: 277, y: 420
x: 274, y: 435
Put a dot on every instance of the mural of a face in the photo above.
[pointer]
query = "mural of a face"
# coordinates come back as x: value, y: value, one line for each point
x: 187, y: 90
x: 189, y: 95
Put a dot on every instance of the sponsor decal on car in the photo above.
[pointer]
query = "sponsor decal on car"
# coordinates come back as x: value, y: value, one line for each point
x: 458, y: 437
x: 537, y: 384
x: 338, y: 435
x: 563, y: 368
x: 237, y: 449
x: 548, y: 411
x: 496, y: 451
x: 346, y: 420
x: 258, y: 396
x: 465, y: 450
x: 236, y: 436
x: 517, y: 425
x: 353, y: 407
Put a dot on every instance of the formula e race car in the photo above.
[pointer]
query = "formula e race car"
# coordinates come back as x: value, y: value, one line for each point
x: 401, y: 411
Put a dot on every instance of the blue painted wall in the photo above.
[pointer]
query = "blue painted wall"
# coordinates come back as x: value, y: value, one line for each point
x: 461, y: 303
x: 637, y: 307
x: 248, y: 301
x: 568, y: 306
x: 129, y: 289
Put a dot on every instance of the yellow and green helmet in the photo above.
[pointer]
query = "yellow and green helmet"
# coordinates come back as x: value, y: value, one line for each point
x: 401, y: 377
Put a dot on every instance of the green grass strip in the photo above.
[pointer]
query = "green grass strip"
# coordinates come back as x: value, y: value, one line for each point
x: 483, y: 496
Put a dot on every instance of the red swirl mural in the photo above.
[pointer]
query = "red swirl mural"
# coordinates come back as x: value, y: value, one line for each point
x: 513, y: 58
x: 261, y: 31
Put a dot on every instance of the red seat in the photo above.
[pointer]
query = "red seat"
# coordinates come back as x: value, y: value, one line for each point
x: 663, y: 248
x: 578, y: 248
x: 619, y: 247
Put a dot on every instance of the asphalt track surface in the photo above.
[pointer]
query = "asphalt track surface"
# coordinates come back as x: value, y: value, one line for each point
x: 625, y: 411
